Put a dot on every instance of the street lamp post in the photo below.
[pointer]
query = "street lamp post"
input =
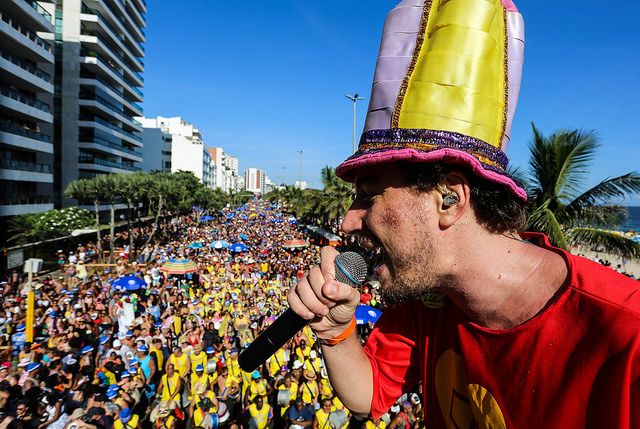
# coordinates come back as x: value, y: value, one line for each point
x: 300, y: 171
x: 355, y: 98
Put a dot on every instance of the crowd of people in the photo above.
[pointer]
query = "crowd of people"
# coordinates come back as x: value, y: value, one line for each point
x: 166, y: 355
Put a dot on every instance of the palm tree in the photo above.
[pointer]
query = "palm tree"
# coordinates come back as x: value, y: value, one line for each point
x: 108, y: 185
x: 568, y: 214
x: 338, y: 196
x: 85, y: 189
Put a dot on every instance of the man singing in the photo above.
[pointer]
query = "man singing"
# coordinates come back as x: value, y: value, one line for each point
x: 502, y: 329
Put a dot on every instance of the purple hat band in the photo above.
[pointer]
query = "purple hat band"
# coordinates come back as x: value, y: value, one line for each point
x: 419, y: 145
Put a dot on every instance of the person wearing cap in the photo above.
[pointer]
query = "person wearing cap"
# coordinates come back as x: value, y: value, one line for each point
x: 126, y: 419
x: 197, y: 356
x: 291, y: 386
x: 308, y: 388
x: 162, y: 415
x: 148, y: 368
x: 258, y: 386
x: 204, y: 405
x: 277, y: 360
x: 474, y: 301
x: 197, y: 377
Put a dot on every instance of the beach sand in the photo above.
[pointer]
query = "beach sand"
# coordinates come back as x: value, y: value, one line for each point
x: 630, y: 266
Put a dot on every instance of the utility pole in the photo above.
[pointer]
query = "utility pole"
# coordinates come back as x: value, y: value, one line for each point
x: 300, y: 170
x: 355, y: 98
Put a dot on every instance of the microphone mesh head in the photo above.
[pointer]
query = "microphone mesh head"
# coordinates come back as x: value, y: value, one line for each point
x: 351, y: 268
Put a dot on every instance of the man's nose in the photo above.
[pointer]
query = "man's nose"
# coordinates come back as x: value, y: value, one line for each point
x: 352, y: 221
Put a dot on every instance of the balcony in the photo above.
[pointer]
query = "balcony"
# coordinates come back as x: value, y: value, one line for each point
x: 94, y: 18
x: 89, y: 121
x: 37, y: 49
x: 134, y: 34
x: 131, y: 108
x: 95, y: 62
x: 30, y: 13
x: 24, y: 106
x: 22, y: 171
x: 23, y: 204
x: 14, y: 134
x: 84, y: 159
x: 113, y: 148
x: 91, y: 37
x: 23, y: 73
x: 107, y: 108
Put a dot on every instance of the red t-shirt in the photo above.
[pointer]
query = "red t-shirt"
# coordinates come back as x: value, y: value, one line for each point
x: 576, y: 364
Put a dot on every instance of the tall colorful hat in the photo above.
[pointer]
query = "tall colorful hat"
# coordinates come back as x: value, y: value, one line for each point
x: 445, y: 87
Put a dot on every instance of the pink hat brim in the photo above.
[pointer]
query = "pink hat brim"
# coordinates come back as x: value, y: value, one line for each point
x: 346, y: 170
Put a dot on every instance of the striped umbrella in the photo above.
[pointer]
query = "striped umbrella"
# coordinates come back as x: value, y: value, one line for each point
x: 179, y: 266
x: 294, y: 244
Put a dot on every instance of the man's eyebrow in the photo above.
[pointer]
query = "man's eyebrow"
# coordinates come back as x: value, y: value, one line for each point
x: 367, y: 180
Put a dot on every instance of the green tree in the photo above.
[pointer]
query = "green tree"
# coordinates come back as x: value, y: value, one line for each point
x: 85, y: 190
x: 562, y: 208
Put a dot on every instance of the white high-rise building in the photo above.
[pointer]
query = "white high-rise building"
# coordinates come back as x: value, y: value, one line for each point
x: 156, y: 152
x: 224, y: 169
x: 26, y: 107
x: 188, y: 151
x: 99, y: 56
x: 254, y: 180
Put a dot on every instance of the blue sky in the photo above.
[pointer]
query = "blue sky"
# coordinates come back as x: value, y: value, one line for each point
x: 266, y: 79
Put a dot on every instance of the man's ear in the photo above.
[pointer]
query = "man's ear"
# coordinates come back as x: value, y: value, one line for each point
x: 452, y: 198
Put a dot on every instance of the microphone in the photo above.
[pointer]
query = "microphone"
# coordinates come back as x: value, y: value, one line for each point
x: 351, y: 269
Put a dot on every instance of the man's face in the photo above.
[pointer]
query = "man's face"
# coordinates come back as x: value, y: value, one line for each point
x: 397, y: 224
x: 21, y: 410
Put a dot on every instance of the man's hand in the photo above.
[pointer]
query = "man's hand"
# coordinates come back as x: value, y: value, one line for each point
x: 319, y: 297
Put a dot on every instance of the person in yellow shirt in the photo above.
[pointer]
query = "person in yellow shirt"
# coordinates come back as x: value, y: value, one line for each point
x: 321, y: 417
x: 303, y: 351
x: 371, y: 423
x: 228, y: 386
x: 197, y: 357
x: 257, y: 387
x: 313, y: 362
x: 170, y: 385
x: 290, y: 386
x: 198, y: 378
x: 180, y: 361
x: 126, y: 420
x: 161, y: 415
x: 203, y: 406
x: 156, y: 351
x: 277, y: 361
x: 308, y: 389
x: 260, y: 415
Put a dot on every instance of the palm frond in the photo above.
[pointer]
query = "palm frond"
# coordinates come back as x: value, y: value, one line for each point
x: 543, y: 219
x: 575, y: 150
x: 603, y: 192
x: 604, y: 241
x: 596, y: 216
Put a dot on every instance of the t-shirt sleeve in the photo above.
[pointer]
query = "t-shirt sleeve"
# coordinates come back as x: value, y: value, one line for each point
x: 393, y: 355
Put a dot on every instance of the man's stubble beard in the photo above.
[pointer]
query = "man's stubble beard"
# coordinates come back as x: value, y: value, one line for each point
x: 410, y: 276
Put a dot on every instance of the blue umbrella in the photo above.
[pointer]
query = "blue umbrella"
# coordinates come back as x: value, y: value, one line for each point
x: 231, y: 215
x: 243, y: 237
x: 206, y: 218
x: 195, y: 245
x: 367, y: 314
x: 238, y: 247
x: 129, y: 283
x: 220, y: 244
x: 243, y: 216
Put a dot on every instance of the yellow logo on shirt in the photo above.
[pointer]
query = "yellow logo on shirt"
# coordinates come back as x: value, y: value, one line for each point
x: 464, y: 405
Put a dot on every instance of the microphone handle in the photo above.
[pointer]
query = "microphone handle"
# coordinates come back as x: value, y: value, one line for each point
x: 271, y: 340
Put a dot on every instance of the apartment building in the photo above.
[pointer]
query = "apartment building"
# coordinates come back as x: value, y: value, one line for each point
x: 99, y: 63
x: 26, y: 107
